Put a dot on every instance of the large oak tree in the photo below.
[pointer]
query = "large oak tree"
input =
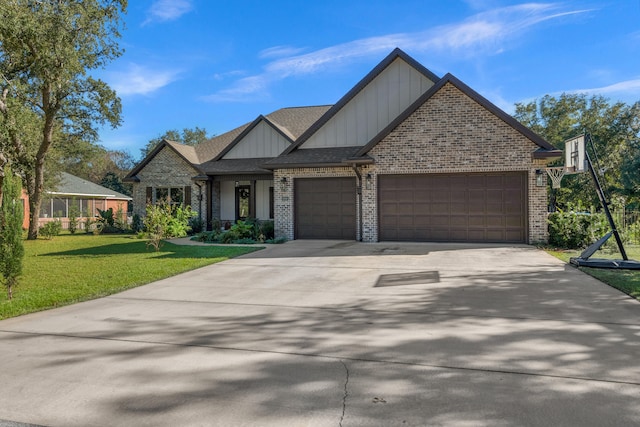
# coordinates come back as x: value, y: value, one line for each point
x: 47, y: 50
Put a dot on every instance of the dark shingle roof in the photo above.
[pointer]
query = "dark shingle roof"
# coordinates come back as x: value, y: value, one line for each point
x: 296, y: 120
x: 73, y: 185
x: 334, y: 156
x: 234, y: 166
x: 209, y: 149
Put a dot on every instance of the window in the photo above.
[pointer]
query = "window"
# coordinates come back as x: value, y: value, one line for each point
x: 174, y: 195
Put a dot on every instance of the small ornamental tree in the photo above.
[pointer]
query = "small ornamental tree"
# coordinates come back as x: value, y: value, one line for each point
x: 11, y: 247
x: 164, y: 221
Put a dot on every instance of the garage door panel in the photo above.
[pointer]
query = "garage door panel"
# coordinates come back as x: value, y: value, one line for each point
x: 473, y: 207
x: 325, y: 208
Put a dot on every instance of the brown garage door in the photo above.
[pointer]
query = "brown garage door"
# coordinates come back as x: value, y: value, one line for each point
x: 478, y: 207
x: 325, y: 208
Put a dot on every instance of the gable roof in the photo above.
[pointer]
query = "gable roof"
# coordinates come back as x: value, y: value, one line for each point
x: 290, y: 123
x: 545, y: 149
x: 359, y: 87
x: 73, y: 185
x: 186, y: 152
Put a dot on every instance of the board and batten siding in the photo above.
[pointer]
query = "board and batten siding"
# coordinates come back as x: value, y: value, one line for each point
x: 263, y: 141
x: 373, y: 108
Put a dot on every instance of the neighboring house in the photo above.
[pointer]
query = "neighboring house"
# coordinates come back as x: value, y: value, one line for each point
x: 87, y: 197
x: 404, y: 156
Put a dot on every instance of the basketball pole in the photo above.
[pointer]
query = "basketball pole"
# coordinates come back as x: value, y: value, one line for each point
x: 604, y: 201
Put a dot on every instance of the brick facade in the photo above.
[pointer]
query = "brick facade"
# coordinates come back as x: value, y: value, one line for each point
x: 167, y: 169
x: 449, y: 133
x: 283, y: 194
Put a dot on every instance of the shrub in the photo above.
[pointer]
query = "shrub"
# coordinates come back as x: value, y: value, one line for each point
x: 572, y: 230
x: 136, y: 224
x: 73, y: 217
x: 164, y: 221
x: 11, y: 246
x: 244, y: 229
x: 89, y: 225
x: 208, y: 236
x: 51, y: 229
x: 266, y: 230
x: 229, y: 236
x: 276, y: 241
x: 245, y: 241
x: 197, y: 225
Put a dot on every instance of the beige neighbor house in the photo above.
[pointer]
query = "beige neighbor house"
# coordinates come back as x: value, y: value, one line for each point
x: 404, y: 156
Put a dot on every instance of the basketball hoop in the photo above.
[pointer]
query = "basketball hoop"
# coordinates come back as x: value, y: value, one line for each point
x: 556, y: 175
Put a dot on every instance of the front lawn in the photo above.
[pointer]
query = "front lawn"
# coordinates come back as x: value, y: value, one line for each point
x: 628, y: 281
x: 73, y: 268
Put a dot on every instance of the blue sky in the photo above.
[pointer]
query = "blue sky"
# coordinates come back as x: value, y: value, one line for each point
x: 219, y: 64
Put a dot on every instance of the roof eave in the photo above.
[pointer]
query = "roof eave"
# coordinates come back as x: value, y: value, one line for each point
x: 547, y: 154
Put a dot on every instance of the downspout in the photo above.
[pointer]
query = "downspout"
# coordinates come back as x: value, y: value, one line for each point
x: 359, y: 191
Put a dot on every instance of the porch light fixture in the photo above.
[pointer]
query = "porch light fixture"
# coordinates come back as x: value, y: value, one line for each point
x: 237, y: 184
x: 540, y: 181
x: 283, y: 183
x: 368, y: 181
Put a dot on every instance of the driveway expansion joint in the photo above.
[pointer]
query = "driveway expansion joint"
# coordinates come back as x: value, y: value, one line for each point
x: 326, y: 356
x: 346, y: 392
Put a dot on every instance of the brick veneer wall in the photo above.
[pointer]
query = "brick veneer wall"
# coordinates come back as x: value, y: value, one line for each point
x: 167, y: 169
x: 453, y: 133
x: 449, y: 133
x: 283, y: 194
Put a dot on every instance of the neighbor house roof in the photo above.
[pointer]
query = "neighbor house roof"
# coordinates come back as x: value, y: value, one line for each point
x: 71, y: 185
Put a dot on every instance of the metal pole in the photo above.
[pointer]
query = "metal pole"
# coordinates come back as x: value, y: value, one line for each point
x: 605, y: 204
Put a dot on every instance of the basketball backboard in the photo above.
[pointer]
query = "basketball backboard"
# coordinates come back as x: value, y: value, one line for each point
x: 574, y: 153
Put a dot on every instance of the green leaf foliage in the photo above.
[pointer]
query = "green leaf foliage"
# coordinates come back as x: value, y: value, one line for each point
x: 48, y: 49
x: 11, y: 245
x: 615, y: 131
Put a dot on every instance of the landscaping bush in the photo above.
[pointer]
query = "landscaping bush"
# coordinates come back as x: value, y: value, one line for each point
x: 136, y: 224
x: 208, y: 236
x: 74, y: 212
x: 267, y: 230
x: 51, y: 229
x: 572, y: 230
x: 197, y: 225
x: 164, y: 221
x: 244, y: 230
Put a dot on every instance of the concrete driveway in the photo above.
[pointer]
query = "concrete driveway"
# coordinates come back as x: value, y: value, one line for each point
x: 326, y: 333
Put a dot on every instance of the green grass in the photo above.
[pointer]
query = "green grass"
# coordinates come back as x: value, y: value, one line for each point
x: 628, y: 281
x: 73, y: 268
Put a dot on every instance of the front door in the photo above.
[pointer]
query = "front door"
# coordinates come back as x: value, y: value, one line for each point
x: 243, y: 196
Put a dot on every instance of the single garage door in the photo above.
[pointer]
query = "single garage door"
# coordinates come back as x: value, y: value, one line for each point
x: 325, y: 208
x: 474, y: 207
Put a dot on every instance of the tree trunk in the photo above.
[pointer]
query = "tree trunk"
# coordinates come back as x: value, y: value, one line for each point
x: 35, y: 193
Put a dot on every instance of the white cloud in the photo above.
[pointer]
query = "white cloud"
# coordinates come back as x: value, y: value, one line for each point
x: 279, y: 51
x: 244, y: 90
x: 167, y: 10
x: 485, y: 33
x: 627, y: 88
x: 140, y: 80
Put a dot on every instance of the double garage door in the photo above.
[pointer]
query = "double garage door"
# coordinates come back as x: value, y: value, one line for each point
x: 474, y: 207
